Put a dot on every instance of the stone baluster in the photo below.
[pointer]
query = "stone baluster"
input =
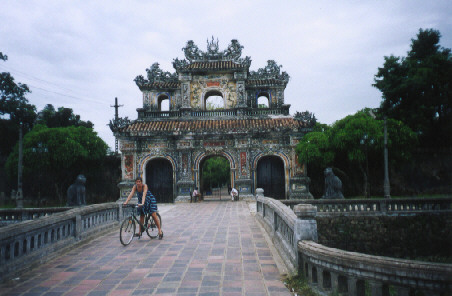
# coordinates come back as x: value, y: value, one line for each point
x: 334, y: 281
x: 351, y: 285
x: 376, y: 288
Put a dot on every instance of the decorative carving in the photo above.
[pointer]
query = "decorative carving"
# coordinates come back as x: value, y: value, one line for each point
x: 154, y: 73
x: 307, y: 117
x: 128, y: 166
x: 243, y: 163
x: 271, y: 71
x: 118, y: 123
x: 193, y: 54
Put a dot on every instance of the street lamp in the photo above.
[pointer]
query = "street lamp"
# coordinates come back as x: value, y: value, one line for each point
x: 40, y: 149
x: 366, y: 141
x: 307, y: 158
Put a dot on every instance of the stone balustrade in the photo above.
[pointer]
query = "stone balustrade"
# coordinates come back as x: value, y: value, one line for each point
x: 283, y: 227
x: 28, y: 243
x: 349, y: 273
x: 376, y: 206
x: 331, y: 270
x: 10, y: 216
x: 144, y: 114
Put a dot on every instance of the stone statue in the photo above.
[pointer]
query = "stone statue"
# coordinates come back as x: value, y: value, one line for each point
x: 76, y: 192
x: 333, y: 185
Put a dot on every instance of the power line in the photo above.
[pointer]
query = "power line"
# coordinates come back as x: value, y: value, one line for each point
x: 49, y: 91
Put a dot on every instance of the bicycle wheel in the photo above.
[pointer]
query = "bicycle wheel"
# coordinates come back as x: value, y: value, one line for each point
x: 151, y: 228
x: 127, y: 231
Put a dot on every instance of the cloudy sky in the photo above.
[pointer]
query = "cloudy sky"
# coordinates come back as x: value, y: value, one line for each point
x: 83, y: 54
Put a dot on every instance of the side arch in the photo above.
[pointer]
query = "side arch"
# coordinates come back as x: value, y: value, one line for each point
x: 162, y: 195
x: 268, y: 177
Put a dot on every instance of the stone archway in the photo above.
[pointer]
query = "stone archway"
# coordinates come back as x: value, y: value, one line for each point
x: 271, y: 176
x: 215, y: 176
x: 159, y: 178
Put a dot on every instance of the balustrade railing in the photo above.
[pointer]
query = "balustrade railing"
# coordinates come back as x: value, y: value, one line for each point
x: 10, y: 216
x: 331, y: 270
x: 144, y: 114
x: 214, y: 113
x: 349, y: 273
x: 23, y: 244
x: 376, y: 206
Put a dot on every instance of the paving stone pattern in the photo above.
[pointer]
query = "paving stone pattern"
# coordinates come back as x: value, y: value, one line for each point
x: 209, y: 248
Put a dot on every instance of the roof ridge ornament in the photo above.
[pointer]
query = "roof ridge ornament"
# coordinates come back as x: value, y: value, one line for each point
x: 271, y: 71
x: 155, y: 74
x: 194, y: 54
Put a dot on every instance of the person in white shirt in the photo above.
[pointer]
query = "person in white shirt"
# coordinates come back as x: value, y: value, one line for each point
x: 234, y: 193
x: 196, y: 194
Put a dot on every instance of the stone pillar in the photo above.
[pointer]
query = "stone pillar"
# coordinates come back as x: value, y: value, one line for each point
x: 305, y: 227
x: 259, y: 192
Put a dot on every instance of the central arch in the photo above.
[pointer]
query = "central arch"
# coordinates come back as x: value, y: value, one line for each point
x: 159, y: 178
x: 271, y: 176
x: 216, y: 100
x: 215, y: 176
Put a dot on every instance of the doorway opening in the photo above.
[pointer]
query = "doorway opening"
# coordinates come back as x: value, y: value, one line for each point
x: 271, y: 177
x: 215, y: 178
x: 159, y: 178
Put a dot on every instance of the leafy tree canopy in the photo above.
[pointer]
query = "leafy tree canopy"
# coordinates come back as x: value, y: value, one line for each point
x: 69, y: 151
x: 63, y: 117
x: 417, y: 89
x: 215, y: 171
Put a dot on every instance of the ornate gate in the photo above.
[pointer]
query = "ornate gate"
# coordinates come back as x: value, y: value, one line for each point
x: 159, y: 178
x: 270, y: 177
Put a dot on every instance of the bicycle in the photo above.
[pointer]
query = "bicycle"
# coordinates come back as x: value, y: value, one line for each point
x: 128, y: 227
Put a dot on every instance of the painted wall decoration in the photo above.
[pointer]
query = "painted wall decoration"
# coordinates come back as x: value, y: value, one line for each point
x: 214, y: 144
x: 243, y: 169
x: 157, y: 145
x: 184, y: 163
x: 128, y: 166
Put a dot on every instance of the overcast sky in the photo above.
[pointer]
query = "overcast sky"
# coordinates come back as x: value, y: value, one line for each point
x: 83, y: 54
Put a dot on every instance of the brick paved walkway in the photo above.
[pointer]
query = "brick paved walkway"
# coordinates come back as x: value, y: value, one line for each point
x: 209, y: 248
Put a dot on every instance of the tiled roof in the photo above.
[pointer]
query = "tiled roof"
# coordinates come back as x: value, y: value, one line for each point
x: 260, y: 82
x: 160, y: 84
x: 226, y: 125
x: 215, y: 65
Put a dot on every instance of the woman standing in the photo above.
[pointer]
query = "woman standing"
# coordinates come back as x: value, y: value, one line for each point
x: 147, y: 203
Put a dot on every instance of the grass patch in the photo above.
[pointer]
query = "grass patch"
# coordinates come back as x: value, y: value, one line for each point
x: 298, y: 285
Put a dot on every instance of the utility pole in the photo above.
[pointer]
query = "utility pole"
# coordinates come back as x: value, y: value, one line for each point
x: 116, y: 106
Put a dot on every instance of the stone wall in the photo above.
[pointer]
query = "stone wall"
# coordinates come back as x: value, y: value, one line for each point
x: 424, y: 236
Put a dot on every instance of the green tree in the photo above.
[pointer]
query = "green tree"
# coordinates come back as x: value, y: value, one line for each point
x: 417, y: 89
x: 70, y: 151
x: 62, y: 117
x: 14, y: 109
x: 215, y: 172
x: 315, y: 148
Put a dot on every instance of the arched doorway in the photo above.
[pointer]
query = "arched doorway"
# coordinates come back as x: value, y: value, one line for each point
x: 159, y: 178
x: 215, y: 177
x: 213, y: 100
x: 163, y: 102
x: 270, y: 177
